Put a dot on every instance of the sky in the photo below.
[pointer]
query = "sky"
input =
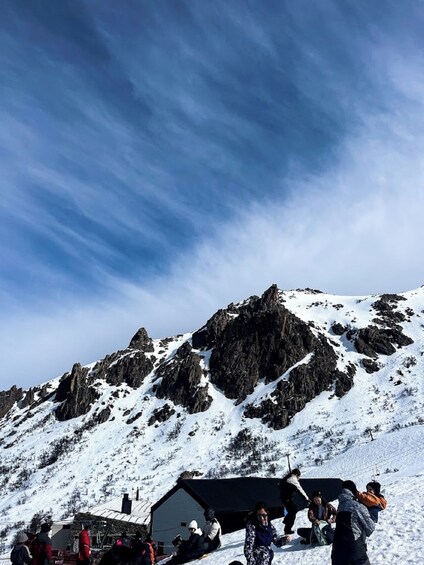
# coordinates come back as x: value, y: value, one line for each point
x: 160, y: 160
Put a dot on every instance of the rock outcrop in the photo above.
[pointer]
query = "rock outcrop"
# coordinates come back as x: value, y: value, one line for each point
x: 8, y: 399
x: 75, y: 394
x: 180, y: 381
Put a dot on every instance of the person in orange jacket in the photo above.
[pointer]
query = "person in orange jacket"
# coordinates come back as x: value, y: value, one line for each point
x: 84, y: 546
x: 373, y: 499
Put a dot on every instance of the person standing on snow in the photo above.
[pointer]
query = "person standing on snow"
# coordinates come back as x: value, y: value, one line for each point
x: 353, y: 526
x: 288, y: 487
x: 20, y: 553
x: 373, y: 500
x: 84, y: 546
x: 41, y: 547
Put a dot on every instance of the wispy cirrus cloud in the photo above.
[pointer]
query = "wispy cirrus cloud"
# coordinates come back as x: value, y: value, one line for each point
x: 161, y: 162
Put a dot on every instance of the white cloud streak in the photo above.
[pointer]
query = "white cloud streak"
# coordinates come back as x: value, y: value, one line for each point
x: 357, y: 229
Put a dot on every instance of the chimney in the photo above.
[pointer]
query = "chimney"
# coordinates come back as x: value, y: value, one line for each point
x: 137, y: 497
x: 126, y: 504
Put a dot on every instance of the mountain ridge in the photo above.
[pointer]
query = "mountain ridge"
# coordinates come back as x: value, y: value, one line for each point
x: 230, y: 398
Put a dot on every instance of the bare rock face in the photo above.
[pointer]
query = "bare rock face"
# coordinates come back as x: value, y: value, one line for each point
x: 124, y: 367
x: 181, y: 381
x: 161, y: 415
x: 131, y: 369
x: 386, y: 307
x: 142, y: 341
x: 304, y: 383
x: 262, y: 342
x: 206, y: 337
x: 75, y: 394
x: 28, y: 398
x: 370, y: 365
x: 8, y: 399
x: 372, y: 340
x: 338, y: 329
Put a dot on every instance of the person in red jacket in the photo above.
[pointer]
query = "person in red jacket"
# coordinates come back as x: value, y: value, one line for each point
x: 84, y: 546
x: 41, y: 547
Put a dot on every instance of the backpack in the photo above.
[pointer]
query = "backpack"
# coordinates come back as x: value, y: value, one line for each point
x: 323, y: 533
x: 20, y: 554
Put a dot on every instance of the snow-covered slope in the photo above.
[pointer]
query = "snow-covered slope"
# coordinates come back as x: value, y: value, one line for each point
x: 374, y: 429
x: 397, y: 536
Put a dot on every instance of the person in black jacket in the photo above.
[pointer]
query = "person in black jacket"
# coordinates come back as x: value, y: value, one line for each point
x: 288, y: 487
x: 20, y: 553
x: 189, y: 549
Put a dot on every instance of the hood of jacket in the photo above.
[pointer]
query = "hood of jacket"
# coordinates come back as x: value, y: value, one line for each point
x: 346, y: 496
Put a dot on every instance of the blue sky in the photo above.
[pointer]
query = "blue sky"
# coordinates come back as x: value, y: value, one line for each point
x: 162, y: 159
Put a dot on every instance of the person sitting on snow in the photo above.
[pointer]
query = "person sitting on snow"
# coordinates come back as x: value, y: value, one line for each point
x: 373, y: 499
x: 189, y: 549
x: 211, y: 531
x: 319, y: 511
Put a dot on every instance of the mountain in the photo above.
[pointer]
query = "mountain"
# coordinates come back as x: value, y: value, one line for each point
x: 295, y: 374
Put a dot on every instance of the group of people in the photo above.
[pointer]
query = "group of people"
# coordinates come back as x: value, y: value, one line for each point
x: 131, y: 551
x: 34, y: 550
x: 354, y: 521
x: 199, y: 541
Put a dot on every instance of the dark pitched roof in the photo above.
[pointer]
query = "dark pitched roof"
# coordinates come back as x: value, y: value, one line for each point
x: 240, y: 494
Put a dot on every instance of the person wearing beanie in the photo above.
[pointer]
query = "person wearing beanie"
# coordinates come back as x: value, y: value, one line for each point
x: 373, y: 499
x: 319, y: 511
x: 20, y: 553
x: 211, y: 531
x: 353, y: 526
x: 189, y: 549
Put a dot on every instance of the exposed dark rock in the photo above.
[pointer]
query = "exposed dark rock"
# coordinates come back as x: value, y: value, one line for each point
x: 181, y: 381
x: 372, y: 340
x: 304, y: 383
x: 263, y: 341
x: 344, y: 381
x: 28, y: 398
x: 8, y: 399
x: 309, y: 290
x: 189, y: 475
x: 386, y: 307
x: 338, y: 329
x: 131, y: 369
x: 102, y: 416
x: 142, y: 341
x: 206, y: 337
x: 161, y: 415
x: 124, y: 367
x: 134, y: 418
x: 75, y: 394
x: 370, y: 366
